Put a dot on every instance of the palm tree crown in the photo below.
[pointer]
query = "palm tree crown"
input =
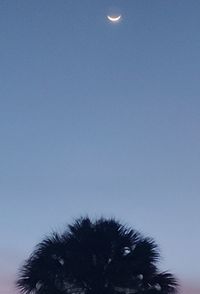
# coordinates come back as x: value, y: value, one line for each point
x: 100, y: 257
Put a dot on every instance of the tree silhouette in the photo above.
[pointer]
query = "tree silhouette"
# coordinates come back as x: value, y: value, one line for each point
x: 100, y: 257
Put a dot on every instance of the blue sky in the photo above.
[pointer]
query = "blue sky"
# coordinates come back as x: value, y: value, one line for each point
x: 100, y: 119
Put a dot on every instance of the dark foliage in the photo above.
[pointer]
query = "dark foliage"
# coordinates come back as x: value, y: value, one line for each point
x: 101, y: 257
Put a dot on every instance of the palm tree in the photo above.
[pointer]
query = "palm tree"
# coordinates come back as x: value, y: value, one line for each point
x: 95, y: 257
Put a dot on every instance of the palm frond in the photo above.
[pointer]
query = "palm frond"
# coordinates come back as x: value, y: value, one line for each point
x: 95, y: 257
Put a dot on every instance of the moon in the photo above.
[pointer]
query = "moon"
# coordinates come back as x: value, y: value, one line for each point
x: 114, y: 18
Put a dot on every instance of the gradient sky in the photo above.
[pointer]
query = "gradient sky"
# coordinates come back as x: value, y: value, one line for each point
x: 100, y: 119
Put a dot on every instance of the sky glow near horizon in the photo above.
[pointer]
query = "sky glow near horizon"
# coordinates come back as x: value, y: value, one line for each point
x: 100, y: 119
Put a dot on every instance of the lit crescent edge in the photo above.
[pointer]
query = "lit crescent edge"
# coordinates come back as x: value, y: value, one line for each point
x: 114, y: 19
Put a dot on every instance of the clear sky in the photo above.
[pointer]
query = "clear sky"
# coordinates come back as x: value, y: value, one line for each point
x: 100, y: 119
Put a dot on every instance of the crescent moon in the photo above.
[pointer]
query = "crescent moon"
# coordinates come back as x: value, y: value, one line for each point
x: 114, y: 18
